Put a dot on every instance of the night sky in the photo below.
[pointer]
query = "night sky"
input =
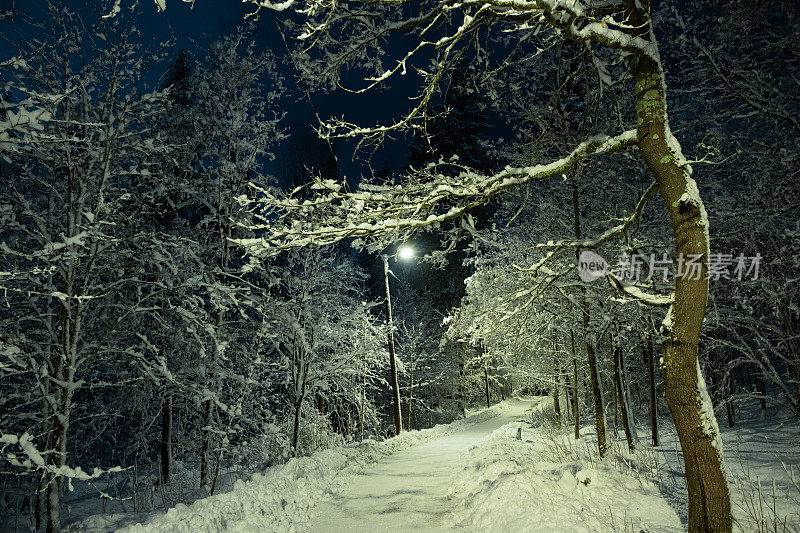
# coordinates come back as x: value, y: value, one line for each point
x: 191, y: 29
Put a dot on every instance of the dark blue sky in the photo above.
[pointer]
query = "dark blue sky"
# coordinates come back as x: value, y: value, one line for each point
x: 192, y: 28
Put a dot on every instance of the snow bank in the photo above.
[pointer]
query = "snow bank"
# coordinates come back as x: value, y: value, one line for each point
x: 285, y: 495
x: 514, y: 485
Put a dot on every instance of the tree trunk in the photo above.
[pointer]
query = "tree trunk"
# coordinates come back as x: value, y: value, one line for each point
x: 208, y: 407
x: 166, y: 438
x: 58, y: 459
x: 594, y: 376
x: 567, y: 395
x: 298, y: 406
x: 576, y: 406
x: 651, y: 379
x: 556, y: 376
x: 761, y: 388
x: 684, y: 387
x: 615, y: 397
x: 410, y: 385
x: 728, y: 389
x: 630, y: 431
x: 63, y: 365
x: 486, y: 382
x: 206, y: 443
x: 461, y: 376
x: 363, y: 402
x: 626, y: 388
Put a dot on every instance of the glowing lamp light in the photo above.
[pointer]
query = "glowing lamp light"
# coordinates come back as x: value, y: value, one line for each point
x: 406, y: 253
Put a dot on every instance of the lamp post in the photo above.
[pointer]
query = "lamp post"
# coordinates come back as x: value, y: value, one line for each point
x: 404, y: 253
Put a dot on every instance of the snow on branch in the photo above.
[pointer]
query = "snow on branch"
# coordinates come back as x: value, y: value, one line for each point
x: 577, y: 20
x: 161, y: 5
x: 636, y: 293
x: 385, y: 211
x: 619, y: 229
x: 29, y: 456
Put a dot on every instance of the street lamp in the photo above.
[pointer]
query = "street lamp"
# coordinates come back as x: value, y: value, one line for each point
x: 405, y: 253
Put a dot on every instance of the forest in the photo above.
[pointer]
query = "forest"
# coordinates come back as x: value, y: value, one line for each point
x: 545, y: 251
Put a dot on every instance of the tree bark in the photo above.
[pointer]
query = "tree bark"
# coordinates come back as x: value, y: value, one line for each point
x: 166, y: 438
x: 651, y: 379
x: 461, y: 376
x: 208, y: 407
x: 556, y: 375
x: 594, y: 376
x: 486, y: 382
x: 576, y: 406
x: 630, y: 431
x: 298, y: 407
x: 684, y: 387
x: 63, y: 370
x: 615, y: 394
x: 60, y: 426
x: 567, y: 395
x: 363, y: 402
x: 206, y: 443
x: 410, y: 385
x: 728, y: 388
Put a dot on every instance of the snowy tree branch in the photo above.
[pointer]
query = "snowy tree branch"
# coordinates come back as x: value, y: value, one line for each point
x: 376, y: 212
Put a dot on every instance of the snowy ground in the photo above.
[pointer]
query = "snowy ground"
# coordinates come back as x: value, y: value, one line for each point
x: 288, y: 497
x: 410, y: 490
x: 475, y: 475
x: 481, y: 478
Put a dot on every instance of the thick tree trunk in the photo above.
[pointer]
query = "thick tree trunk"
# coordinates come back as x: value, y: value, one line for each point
x: 684, y: 387
x: 58, y: 459
x: 166, y: 438
x: 54, y: 481
x: 63, y: 372
x: 788, y: 325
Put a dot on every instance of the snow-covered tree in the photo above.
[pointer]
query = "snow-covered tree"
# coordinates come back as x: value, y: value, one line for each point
x: 67, y: 240
x: 328, y: 344
x: 353, y: 36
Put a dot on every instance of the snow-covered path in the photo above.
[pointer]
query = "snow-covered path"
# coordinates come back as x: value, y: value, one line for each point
x: 407, y: 491
x: 475, y: 475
